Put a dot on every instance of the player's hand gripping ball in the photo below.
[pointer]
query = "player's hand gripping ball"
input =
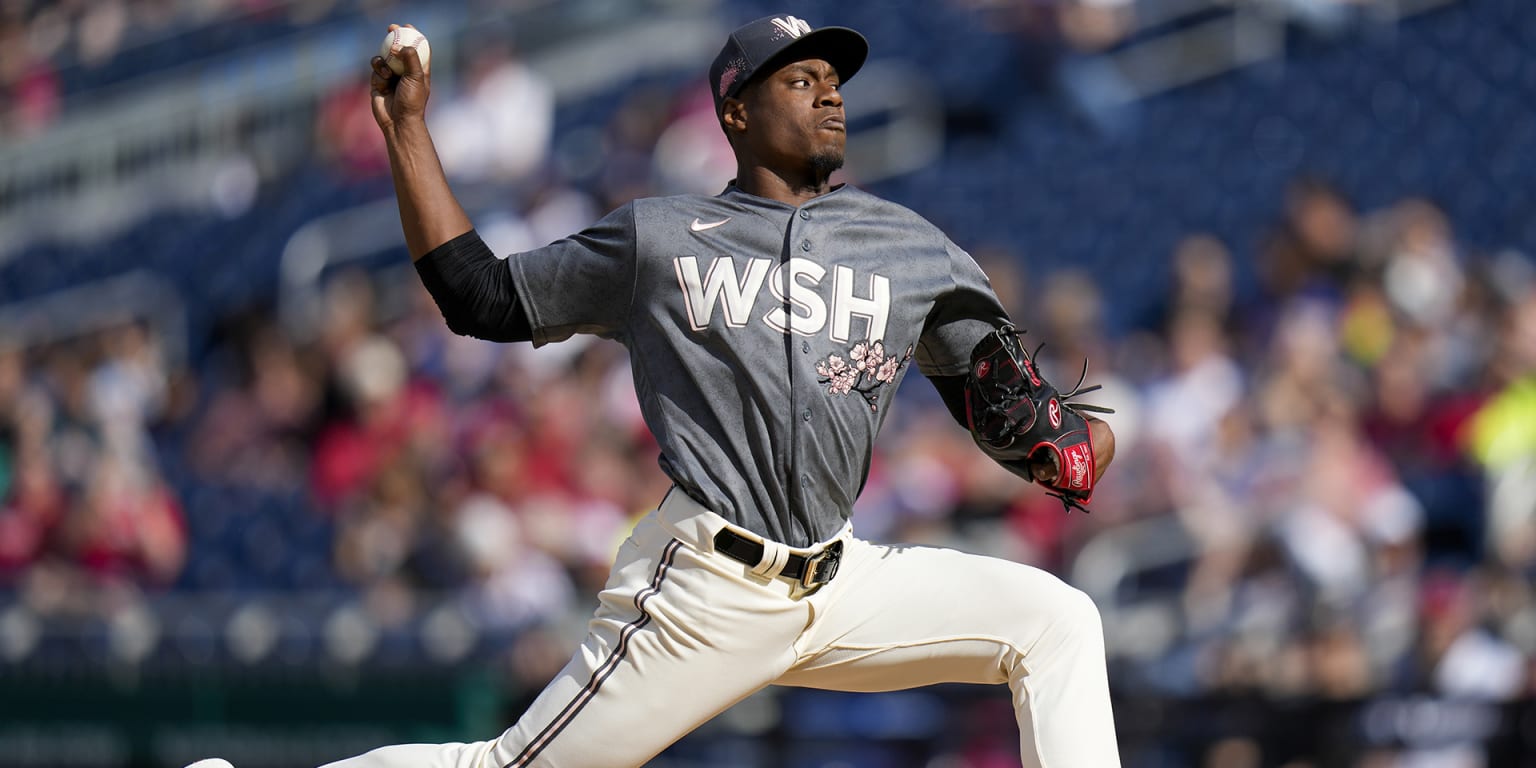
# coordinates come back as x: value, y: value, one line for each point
x: 405, y: 37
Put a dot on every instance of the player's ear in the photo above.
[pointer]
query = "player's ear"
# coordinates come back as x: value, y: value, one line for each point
x: 733, y: 115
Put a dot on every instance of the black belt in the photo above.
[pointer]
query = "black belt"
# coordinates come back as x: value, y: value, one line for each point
x: 809, y: 570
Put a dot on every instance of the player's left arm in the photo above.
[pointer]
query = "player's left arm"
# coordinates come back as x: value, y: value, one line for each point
x: 951, y: 390
x: 1061, y: 449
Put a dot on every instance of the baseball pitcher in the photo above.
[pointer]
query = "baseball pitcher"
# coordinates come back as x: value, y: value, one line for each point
x: 768, y: 328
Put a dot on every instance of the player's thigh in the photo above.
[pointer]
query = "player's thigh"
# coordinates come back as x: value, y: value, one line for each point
x: 911, y: 615
x: 673, y: 643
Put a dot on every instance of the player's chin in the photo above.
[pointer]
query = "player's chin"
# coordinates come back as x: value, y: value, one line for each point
x: 827, y: 159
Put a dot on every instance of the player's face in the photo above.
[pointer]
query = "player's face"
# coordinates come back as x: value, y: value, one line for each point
x: 795, y: 116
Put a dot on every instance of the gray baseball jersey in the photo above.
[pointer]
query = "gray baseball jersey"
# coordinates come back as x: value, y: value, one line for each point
x: 767, y: 341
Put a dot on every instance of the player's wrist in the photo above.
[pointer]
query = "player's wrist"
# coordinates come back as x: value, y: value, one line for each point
x: 407, y: 129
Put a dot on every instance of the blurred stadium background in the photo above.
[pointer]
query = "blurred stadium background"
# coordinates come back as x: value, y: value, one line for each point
x: 255, y: 501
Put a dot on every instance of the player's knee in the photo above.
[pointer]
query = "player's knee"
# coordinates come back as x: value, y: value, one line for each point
x: 1055, y: 612
x: 1083, y: 613
x: 1076, y: 617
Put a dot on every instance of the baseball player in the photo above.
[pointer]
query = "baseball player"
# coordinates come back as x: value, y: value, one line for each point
x: 768, y: 329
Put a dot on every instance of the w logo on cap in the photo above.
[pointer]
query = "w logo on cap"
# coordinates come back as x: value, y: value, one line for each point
x: 792, y: 26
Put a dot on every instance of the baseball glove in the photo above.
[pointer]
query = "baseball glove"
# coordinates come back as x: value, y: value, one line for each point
x: 1022, y: 421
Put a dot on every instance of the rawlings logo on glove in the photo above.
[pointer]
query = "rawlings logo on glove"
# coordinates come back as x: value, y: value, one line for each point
x: 1004, y: 396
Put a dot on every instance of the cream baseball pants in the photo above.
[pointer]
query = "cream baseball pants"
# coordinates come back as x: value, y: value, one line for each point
x: 682, y: 632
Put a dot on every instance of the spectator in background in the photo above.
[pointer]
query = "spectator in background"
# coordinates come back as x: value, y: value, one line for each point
x: 30, y: 514
x: 13, y: 382
x: 692, y: 155
x: 255, y: 432
x: 1421, y: 273
x: 1457, y: 656
x: 127, y: 527
x: 126, y: 524
x: 1349, y: 502
x: 345, y: 138
x: 82, y: 494
x: 1205, y: 384
x: 497, y: 127
x: 32, y: 501
x: 1502, y: 438
x: 380, y: 527
x: 1091, y: 82
x: 103, y: 26
x: 1201, y: 440
x: 29, y: 82
x: 630, y: 137
x: 386, y: 417
x: 1312, y: 251
x: 1202, y: 281
x: 1072, y: 311
x: 129, y: 391
x: 514, y: 582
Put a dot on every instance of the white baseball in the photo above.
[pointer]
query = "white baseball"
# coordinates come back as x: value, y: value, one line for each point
x: 405, y: 37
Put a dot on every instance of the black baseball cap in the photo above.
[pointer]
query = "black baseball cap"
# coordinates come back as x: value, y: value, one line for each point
x: 774, y: 39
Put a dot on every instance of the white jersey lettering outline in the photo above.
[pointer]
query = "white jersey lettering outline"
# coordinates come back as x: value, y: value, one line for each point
x: 802, y: 311
x: 802, y: 296
x: 719, y: 285
x: 876, y: 309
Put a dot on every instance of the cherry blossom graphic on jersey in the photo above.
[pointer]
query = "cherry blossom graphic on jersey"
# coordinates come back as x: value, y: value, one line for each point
x: 867, y: 369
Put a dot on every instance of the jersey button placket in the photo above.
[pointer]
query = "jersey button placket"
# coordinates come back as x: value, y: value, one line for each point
x: 797, y: 396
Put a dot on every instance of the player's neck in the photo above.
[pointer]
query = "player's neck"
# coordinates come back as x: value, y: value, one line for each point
x: 790, y: 189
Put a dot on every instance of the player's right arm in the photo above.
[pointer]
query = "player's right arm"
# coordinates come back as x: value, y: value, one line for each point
x: 584, y: 283
x: 472, y: 288
x: 429, y: 213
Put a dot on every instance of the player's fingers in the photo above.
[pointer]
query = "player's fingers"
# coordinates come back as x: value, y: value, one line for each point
x: 411, y: 60
x: 381, y: 68
x: 1042, y: 465
x: 380, y: 75
x: 393, y: 27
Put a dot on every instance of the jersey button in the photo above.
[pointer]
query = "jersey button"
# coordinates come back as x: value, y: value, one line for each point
x: 805, y: 346
x: 805, y: 215
x: 806, y: 415
x: 805, y: 245
x: 805, y: 481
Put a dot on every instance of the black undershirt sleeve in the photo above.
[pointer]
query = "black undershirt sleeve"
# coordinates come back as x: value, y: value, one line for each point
x: 952, y: 391
x: 474, y: 290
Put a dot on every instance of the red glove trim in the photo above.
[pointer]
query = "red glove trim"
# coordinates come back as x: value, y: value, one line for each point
x: 1076, y: 467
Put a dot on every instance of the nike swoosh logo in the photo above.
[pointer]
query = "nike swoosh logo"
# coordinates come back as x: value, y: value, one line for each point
x: 699, y: 226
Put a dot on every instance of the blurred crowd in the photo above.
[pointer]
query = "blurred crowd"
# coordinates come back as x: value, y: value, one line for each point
x: 1350, y: 451
x: 84, y: 503
x: 1325, y: 487
x: 51, y: 50
x: 1350, y: 454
